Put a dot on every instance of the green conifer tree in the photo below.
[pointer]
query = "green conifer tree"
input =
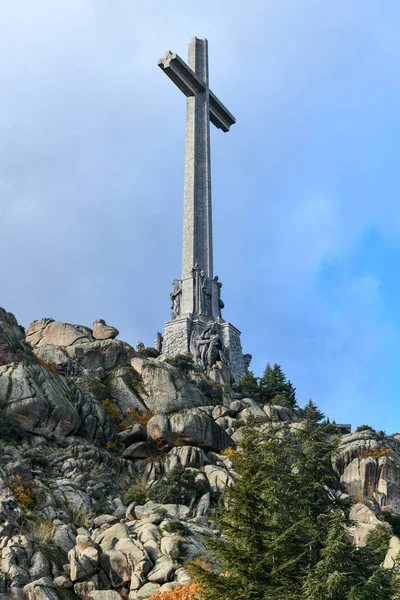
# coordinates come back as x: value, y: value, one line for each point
x: 283, y: 525
x: 249, y: 385
x: 275, y: 388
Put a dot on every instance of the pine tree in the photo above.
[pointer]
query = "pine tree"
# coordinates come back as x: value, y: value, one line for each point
x: 252, y: 523
x: 337, y: 570
x: 283, y: 525
x: 249, y: 385
x: 275, y: 388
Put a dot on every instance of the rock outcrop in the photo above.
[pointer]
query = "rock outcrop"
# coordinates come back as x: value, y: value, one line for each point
x: 369, y: 465
x: 89, y: 428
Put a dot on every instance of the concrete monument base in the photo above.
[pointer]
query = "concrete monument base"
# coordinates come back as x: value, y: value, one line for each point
x: 180, y: 337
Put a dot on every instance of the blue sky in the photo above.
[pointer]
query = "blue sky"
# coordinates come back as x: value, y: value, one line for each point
x: 305, y: 185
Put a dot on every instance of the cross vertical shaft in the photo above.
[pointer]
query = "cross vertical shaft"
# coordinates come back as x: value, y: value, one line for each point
x: 196, y: 324
x: 197, y: 292
x: 197, y: 218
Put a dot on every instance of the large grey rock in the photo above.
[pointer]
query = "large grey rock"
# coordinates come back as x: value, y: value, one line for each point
x: 147, y: 532
x: 74, y: 350
x: 279, y: 413
x: 147, y: 590
x: 162, y: 571
x: 71, y: 495
x: 159, y: 431
x: 167, y: 389
x: 393, y: 553
x: 95, y: 423
x: 115, y: 565
x: 218, y: 478
x: 45, y: 589
x: 186, y: 456
x: 139, y: 450
x: 365, y: 521
x: 104, y: 595
x: 83, y: 558
x: 123, y: 388
x: 170, y: 546
x: 369, y: 466
x: 111, y: 536
x: 172, y: 511
x: 40, y: 566
x: 96, y: 358
x: 188, y: 428
x: 204, y: 505
x: 38, y: 399
x: 102, y: 331
x: 12, y: 345
x: 136, y: 554
x: 135, y: 433
x: 48, y: 331
x: 222, y: 411
x: 83, y: 588
x: 196, y: 428
x: 251, y: 412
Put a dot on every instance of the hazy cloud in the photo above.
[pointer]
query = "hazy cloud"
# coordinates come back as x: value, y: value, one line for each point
x: 91, y: 178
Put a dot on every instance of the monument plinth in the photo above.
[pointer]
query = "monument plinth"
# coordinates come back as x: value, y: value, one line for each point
x: 196, y: 323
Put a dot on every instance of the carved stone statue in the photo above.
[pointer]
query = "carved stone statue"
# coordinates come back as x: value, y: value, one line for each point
x: 202, y: 292
x: 247, y: 358
x: 140, y: 346
x: 209, y: 347
x: 159, y: 342
x: 221, y: 305
x: 176, y: 298
x: 207, y: 295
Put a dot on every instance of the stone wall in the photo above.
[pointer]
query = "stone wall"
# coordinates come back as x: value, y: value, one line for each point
x: 176, y: 340
x: 233, y: 348
x: 177, y: 336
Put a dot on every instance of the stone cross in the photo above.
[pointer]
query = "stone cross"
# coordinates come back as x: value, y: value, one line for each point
x: 202, y: 106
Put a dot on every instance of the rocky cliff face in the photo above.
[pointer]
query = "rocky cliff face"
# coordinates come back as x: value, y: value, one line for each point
x: 88, y: 426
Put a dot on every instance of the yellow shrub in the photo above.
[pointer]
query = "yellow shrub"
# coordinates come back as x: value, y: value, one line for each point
x: 112, y: 446
x: 50, y: 366
x: 231, y: 452
x: 134, y: 417
x: 21, y: 491
x: 110, y: 409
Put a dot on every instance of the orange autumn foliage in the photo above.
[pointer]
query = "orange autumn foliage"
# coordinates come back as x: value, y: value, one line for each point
x: 50, y: 365
x: 189, y: 591
x: 110, y: 409
x: 201, y: 563
x: 21, y: 491
x: 375, y: 453
x: 134, y: 417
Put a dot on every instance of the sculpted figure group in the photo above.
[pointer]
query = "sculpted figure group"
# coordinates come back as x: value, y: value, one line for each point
x: 209, y: 347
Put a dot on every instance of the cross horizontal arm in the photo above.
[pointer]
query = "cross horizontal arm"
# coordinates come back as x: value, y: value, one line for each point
x: 219, y: 114
x: 188, y: 82
x: 182, y: 75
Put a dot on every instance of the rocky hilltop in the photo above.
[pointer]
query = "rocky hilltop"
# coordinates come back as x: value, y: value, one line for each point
x: 111, y: 460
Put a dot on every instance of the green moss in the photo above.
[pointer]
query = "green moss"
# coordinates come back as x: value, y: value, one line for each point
x: 54, y: 555
x: 62, y: 593
x: 176, y: 526
x: 97, y: 388
x: 9, y: 387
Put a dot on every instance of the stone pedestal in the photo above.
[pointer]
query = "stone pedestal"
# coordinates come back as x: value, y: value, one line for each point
x: 197, y: 326
x: 178, y: 336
